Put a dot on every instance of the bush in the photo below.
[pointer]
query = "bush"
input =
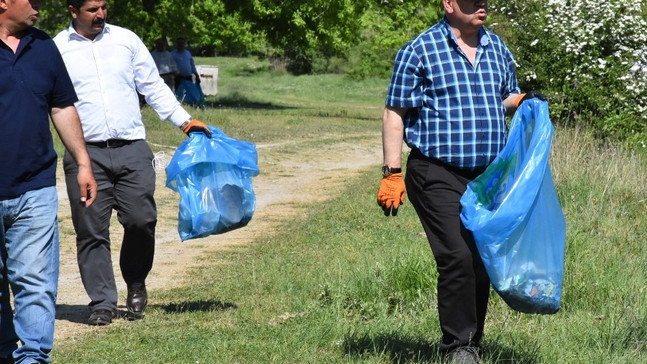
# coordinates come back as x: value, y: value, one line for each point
x: 590, y: 61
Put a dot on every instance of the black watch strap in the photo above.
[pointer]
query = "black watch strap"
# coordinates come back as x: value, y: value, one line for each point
x: 387, y: 171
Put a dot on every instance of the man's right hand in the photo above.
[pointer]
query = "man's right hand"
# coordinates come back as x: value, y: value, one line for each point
x: 391, y: 194
x: 87, y: 185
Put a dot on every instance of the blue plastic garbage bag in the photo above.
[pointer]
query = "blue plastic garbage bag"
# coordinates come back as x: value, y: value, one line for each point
x: 214, y: 179
x: 513, y: 211
x: 189, y: 92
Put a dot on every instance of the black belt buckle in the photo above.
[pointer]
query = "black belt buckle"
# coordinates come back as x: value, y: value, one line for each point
x: 116, y: 143
x: 111, y: 143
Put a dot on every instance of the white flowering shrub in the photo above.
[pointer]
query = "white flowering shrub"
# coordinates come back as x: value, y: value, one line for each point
x: 588, y: 57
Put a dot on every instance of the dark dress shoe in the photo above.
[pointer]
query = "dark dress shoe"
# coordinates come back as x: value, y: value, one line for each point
x: 137, y: 299
x: 100, y: 317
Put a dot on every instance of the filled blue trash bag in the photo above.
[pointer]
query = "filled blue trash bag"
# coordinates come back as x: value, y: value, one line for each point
x: 514, y: 213
x: 214, y: 179
x: 189, y: 92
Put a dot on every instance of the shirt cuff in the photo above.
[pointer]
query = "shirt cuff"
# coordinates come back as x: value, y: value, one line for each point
x: 179, y: 117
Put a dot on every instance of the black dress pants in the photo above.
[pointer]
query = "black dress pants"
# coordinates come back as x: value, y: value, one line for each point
x: 126, y: 183
x: 434, y: 190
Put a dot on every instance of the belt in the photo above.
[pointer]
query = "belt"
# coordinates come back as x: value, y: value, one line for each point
x: 468, y: 173
x: 111, y: 143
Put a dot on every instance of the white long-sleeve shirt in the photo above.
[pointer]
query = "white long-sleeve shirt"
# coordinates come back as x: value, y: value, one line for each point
x: 107, y: 73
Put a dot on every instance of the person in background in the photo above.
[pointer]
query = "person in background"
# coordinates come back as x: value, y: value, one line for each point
x: 165, y: 62
x: 108, y: 65
x: 187, y: 82
x: 34, y: 87
x: 449, y: 93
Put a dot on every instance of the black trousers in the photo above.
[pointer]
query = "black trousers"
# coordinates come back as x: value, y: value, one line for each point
x: 126, y: 183
x: 434, y: 190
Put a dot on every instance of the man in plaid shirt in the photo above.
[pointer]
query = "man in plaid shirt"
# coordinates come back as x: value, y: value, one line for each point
x: 449, y: 93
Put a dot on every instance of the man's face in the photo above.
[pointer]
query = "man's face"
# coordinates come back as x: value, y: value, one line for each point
x: 472, y: 13
x: 22, y: 12
x: 90, y: 19
x: 160, y: 45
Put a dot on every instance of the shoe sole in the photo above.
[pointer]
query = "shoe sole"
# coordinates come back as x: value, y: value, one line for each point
x: 132, y: 315
x: 99, y: 323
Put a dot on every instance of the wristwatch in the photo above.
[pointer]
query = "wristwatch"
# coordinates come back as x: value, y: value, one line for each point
x: 387, y: 171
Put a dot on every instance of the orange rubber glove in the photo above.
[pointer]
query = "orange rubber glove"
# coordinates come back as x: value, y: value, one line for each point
x: 391, y: 194
x: 196, y: 125
x: 530, y: 95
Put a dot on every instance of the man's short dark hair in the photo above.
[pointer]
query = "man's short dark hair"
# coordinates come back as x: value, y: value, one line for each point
x: 77, y: 4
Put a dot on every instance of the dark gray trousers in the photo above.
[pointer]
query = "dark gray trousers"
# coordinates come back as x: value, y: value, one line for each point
x: 434, y: 190
x: 126, y: 183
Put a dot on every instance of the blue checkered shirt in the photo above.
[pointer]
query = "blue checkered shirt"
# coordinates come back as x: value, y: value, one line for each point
x: 456, y: 111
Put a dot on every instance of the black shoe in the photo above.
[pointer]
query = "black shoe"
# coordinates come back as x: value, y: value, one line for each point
x: 100, y: 317
x: 6, y: 361
x: 137, y: 299
x: 464, y: 355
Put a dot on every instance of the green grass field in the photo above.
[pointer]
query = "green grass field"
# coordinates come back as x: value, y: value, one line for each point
x: 344, y: 284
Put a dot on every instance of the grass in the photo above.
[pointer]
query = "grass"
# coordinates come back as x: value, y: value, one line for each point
x: 343, y: 284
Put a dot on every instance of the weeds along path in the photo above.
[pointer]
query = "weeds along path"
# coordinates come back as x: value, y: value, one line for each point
x: 292, y: 173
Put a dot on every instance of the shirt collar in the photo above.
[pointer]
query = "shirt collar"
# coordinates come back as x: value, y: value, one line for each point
x: 484, y: 37
x: 73, y: 33
x: 26, y: 38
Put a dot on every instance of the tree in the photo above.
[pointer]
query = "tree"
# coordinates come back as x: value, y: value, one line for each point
x: 387, y: 26
x: 301, y: 30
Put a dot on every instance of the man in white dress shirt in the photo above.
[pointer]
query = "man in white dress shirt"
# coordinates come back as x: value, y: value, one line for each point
x: 108, y: 66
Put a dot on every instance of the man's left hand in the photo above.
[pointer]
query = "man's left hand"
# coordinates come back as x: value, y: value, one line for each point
x: 196, y: 125
x: 527, y: 96
x: 534, y: 95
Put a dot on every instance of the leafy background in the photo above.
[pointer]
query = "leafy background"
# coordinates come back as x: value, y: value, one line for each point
x: 589, y: 58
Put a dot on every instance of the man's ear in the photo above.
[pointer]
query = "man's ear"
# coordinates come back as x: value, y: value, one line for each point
x: 72, y: 11
x: 449, y: 7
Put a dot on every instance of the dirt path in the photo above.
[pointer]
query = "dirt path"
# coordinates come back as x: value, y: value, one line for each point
x: 290, y: 175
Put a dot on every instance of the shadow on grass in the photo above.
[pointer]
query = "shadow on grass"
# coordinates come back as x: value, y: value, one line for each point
x: 73, y: 313
x: 496, y: 353
x: 242, y: 103
x: 198, y: 306
x: 417, y: 350
x: 398, y: 349
x: 237, y: 101
x: 79, y: 314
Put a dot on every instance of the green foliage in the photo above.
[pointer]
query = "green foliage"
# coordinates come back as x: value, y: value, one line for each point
x: 592, y: 67
x: 299, y: 31
x: 53, y: 17
x: 305, y: 35
x: 210, y: 25
x: 388, y: 25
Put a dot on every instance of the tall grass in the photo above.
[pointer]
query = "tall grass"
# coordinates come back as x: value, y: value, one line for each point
x: 343, y: 284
